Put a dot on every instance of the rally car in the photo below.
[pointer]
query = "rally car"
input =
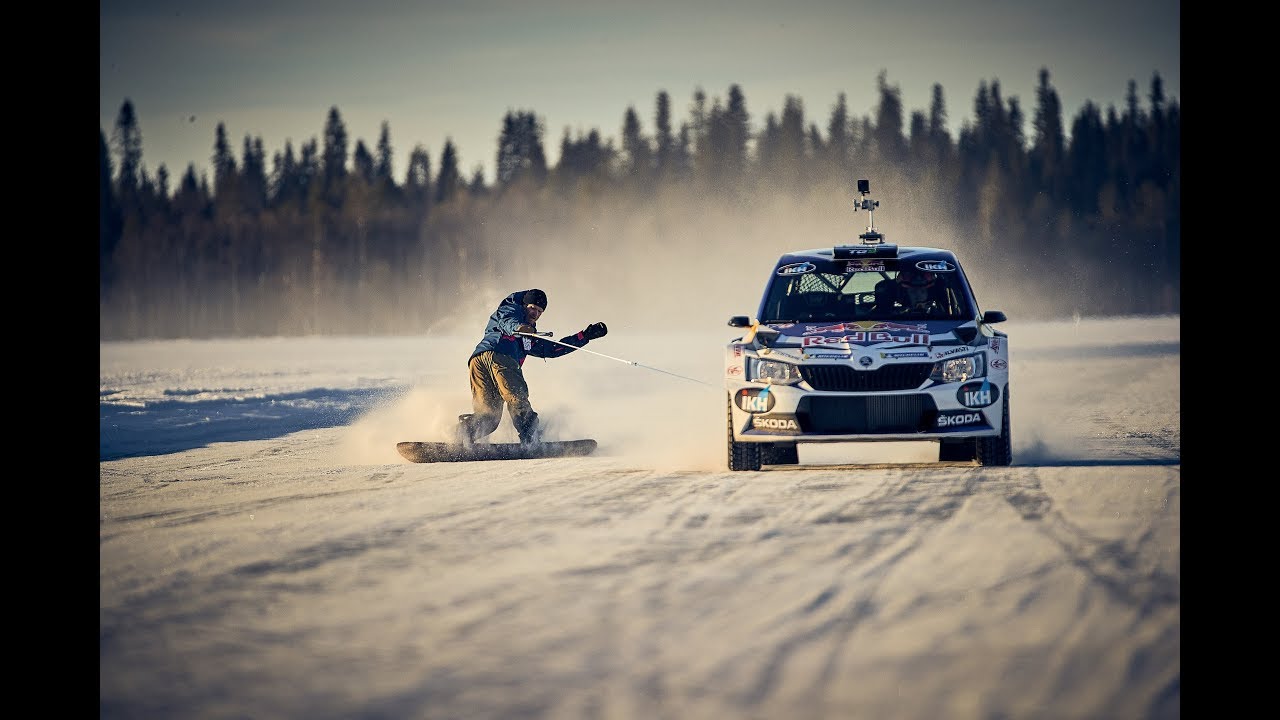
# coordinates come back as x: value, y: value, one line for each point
x: 868, y: 342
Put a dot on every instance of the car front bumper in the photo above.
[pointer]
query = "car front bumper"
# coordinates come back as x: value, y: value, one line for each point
x: 797, y: 414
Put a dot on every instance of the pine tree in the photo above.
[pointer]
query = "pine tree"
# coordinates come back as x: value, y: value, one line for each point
x: 362, y: 163
x: 382, y: 170
x: 417, y: 179
x: 838, y: 151
x: 448, y: 180
x: 127, y: 143
x: 520, y: 153
x: 890, y: 143
x: 1047, y: 144
x: 334, y: 165
x: 738, y: 124
x: 110, y: 221
x: 664, y: 140
x: 224, y: 167
x: 636, y: 147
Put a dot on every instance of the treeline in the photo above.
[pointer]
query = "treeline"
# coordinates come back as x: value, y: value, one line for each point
x: 327, y: 238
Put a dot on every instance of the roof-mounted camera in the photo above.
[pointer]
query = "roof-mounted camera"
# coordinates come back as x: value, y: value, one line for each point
x: 871, y: 236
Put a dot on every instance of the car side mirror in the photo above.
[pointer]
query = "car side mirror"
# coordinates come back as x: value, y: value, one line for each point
x: 993, y: 316
x: 739, y: 321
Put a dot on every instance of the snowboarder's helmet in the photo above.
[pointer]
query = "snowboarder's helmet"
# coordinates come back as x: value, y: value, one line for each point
x: 536, y: 297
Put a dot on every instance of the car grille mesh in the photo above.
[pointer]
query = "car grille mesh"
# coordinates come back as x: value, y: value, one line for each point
x: 842, y: 378
x: 866, y: 415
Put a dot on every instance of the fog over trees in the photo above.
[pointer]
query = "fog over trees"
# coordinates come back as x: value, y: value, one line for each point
x: 329, y: 238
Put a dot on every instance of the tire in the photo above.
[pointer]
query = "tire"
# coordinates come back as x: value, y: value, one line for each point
x: 998, y: 450
x: 959, y: 450
x: 780, y: 454
x: 742, y: 456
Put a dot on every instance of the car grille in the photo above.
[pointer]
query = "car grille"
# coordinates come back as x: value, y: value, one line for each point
x: 842, y: 378
x: 866, y: 415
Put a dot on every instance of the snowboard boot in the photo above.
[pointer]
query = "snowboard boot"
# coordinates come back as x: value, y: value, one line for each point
x: 528, y: 428
x: 464, y: 433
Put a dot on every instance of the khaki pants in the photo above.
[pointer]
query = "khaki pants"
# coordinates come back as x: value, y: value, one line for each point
x: 497, y: 379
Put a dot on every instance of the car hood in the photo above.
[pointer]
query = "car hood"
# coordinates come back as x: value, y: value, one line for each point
x: 864, y: 333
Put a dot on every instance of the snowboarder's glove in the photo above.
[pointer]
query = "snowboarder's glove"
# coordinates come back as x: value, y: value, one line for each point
x: 595, y: 330
x: 526, y: 328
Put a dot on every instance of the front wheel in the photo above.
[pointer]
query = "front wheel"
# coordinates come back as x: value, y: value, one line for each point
x: 998, y: 450
x: 742, y: 456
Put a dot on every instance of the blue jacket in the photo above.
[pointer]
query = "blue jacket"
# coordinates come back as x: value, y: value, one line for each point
x: 500, y: 334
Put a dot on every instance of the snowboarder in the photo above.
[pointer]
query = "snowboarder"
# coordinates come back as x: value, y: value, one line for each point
x: 496, y: 374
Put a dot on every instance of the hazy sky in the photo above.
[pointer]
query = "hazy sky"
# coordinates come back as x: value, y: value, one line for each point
x: 439, y: 69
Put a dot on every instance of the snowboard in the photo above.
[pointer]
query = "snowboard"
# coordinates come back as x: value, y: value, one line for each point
x: 425, y: 452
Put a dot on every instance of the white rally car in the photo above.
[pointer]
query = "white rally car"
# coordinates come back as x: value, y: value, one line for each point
x: 868, y: 342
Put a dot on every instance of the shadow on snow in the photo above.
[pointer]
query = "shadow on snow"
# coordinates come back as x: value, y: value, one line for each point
x: 170, y: 426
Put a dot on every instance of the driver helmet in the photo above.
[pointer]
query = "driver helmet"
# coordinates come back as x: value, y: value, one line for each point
x: 916, y: 284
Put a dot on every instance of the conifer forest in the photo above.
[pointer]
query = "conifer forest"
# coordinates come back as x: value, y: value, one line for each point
x: 1053, y: 211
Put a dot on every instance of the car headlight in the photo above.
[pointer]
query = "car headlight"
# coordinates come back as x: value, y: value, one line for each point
x: 774, y: 372
x: 959, y: 369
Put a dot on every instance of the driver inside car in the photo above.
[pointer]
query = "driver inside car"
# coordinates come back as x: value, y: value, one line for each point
x: 917, y: 288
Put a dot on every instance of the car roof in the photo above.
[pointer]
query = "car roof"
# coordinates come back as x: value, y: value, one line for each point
x: 905, y: 252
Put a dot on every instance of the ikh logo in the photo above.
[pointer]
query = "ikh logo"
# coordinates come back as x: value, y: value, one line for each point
x: 755, y: 401
x: 978, y: 393
x: 797, y: 268
x: 936, y: 266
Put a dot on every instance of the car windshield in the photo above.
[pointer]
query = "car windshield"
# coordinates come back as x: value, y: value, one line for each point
x: 882, y: 293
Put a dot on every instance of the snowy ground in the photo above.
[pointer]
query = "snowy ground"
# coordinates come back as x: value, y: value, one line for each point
x: 266, y: 553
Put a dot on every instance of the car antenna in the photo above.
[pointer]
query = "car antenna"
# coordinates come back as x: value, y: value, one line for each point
x: 871, y: 236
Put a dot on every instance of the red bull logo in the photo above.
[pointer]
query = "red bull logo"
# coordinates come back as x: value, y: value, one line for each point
x: 901, y: 327
x: 838, y: 327
x: 867, y: 325
x: 865, y: 337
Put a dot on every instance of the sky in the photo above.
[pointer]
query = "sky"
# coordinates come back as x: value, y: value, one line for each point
x: 264, y: 552
x: 451, y: 69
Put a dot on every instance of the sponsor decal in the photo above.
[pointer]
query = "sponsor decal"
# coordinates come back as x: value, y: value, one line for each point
x: 797, y: 268
x: 734, y: 370
x: 953, y: 419
x: 904, y: 355
x: 838, y: 327
x: 936, y: 266
x: 866, y: 333
x: 737, y: 351
x: 865, y: 361
x: 999, y: 364
x: 754, y: 401
x: 836, y: 355
x: 866, y: 325
x: 782, y: 353
x: 864, y: 266
x: 909, y: 327
x: 995, y: 344
x: 952, y: 351
x: 866, y: 338
x: 977, y: 394
x: 782, y: 423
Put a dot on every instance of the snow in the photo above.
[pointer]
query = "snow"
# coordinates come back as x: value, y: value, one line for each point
x: 264, y: 552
